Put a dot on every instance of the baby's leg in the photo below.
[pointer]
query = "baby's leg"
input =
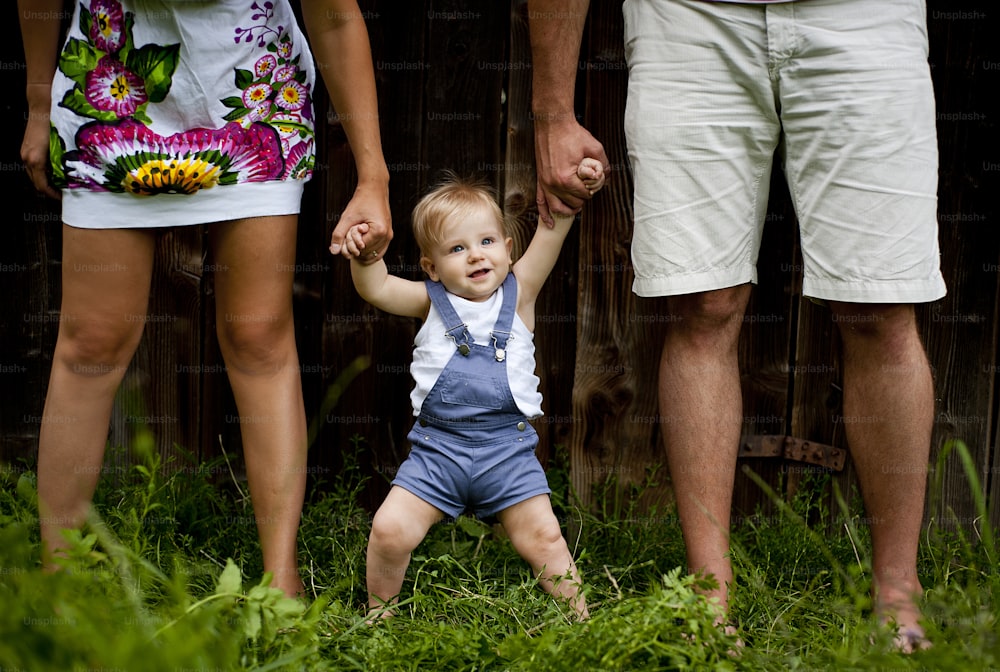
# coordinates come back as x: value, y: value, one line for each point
x: 399, y: 525
x: 534, y: 531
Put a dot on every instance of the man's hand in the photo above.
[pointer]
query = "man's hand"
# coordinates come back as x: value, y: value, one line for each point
x: 560, y: 151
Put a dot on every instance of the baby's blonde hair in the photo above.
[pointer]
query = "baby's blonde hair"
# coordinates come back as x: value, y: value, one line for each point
x: 452, y: 197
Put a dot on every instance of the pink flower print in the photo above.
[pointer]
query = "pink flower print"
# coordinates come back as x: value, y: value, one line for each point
x: 299, y: 161
x: 128, y: 157
x: 285, y: 73
x: 260, y: 113
x: 292, y: 96
x: 112, y: 87
x: 265, y: 64
x: 107, y: 30
x: 256, y: 95
x: 285, y: 49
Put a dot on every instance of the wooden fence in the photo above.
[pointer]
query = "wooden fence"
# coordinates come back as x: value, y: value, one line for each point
x: 454, y: 85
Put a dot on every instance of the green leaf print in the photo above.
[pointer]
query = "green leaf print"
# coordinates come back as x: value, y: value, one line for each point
x: 234, y: 102
x: 244, y: 78
x: 236, y: 114
x: 77, y: 59
x: 77, y: 102
x: 140, y: 115
x: 56, y: 150
x: 156, y: 66
x: 129, y: 45
x: 86, y: 19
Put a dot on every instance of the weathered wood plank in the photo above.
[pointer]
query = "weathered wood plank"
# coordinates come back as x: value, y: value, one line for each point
x: 555, y: 314
x: 162, y: 389
x: 959, y: 330
x: 374, y: 409
x: 614, y: 417
x: 768, y: 324
x: 29, y: 276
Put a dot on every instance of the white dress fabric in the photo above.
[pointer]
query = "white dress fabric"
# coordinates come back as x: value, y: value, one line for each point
x: 172, y: 113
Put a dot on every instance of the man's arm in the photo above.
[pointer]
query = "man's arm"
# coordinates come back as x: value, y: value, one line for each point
x: 560, y: 142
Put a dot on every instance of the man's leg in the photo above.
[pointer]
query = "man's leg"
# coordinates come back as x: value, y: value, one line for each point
x: 888, y: 417
x: 701, y: 411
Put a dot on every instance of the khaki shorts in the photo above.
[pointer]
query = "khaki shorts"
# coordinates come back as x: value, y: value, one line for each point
x: 840, y: 88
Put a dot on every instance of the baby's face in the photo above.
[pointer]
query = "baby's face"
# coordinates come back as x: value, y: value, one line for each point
x: 473, y: 258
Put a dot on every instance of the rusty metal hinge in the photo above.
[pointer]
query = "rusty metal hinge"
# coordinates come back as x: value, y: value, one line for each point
x: 791, y: 448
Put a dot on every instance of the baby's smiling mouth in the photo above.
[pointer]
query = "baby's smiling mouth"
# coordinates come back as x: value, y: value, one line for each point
x: 479, y: 273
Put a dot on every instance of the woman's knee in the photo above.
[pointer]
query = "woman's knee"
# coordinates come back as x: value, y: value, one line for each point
x: 256, y: 343
x: 93, y: 348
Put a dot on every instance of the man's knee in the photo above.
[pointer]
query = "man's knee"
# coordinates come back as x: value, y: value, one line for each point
x: 874, y: 320
x: 712, y: 308
x: 710, y: 319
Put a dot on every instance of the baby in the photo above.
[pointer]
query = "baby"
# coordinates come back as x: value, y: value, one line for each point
x: 475, y: 388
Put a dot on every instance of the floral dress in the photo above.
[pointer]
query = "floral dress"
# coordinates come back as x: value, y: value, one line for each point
x: 177, y: 112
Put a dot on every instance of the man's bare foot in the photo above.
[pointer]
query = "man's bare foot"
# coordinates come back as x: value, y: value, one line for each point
x: 898, y: 609
x: 289, y: 582
x: 379, y: 614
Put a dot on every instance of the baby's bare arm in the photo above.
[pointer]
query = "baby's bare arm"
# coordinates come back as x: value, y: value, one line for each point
x: 387, y: 292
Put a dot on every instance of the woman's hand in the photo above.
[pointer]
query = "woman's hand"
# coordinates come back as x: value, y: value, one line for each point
x: 35, y: 146
x: 365, y: 227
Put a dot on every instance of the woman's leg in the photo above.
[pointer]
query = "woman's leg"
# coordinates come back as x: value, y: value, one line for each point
x: 255, y: 260
x: 105, y: 291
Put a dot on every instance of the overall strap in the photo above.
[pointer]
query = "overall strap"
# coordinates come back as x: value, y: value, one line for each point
x: 505, y: 320
x: 456, y: 329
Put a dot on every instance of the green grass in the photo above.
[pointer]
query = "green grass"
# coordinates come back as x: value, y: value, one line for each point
x: 168, y: 577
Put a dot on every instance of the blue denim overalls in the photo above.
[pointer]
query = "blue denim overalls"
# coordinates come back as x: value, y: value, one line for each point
x: 471, y: 447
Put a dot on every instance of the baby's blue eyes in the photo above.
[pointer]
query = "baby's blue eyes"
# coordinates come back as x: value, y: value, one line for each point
x: 485, y: 242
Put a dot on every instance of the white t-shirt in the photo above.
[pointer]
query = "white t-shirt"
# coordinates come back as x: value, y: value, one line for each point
x: 432, y: 350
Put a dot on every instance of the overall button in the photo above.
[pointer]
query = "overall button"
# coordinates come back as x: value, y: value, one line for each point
x: 423, y: 423
x: 521, y: 426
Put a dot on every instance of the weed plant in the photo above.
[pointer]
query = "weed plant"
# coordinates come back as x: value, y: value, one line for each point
x: 166, y: 576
